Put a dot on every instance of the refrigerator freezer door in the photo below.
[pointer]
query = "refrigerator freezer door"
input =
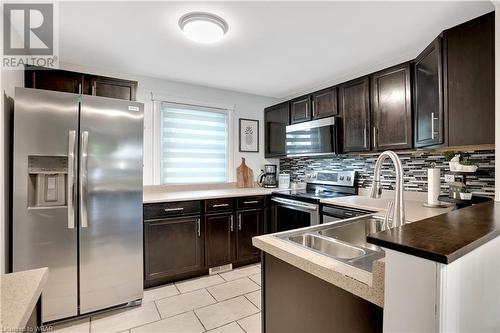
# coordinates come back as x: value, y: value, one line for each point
x: 111, y: 255
x: 45, y: 123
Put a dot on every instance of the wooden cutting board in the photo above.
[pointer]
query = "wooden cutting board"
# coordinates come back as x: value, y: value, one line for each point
x: 244, y: 175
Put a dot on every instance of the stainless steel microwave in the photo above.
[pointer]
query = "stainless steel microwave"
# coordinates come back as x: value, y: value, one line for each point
x: 312, y: 138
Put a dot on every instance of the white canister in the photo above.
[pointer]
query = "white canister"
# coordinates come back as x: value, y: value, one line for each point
x: 433, y: 185
x: 284, y: 180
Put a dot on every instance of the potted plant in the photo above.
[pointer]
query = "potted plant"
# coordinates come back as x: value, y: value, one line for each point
x: 461, y: 165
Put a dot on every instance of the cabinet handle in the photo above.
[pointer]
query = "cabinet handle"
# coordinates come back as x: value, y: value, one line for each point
x: 314, y: 107
x: 220, y: 205
x: 79, y: 88
x: 364, y: 136
x: 307, y: 110
x: 198, y: 222
x: 432, y: 125
x: 375, y: 137
x: 239, y: 221
x: 232, y: 224
x: 251, y: 202
x: 93, y: 89
x: 173, y: 209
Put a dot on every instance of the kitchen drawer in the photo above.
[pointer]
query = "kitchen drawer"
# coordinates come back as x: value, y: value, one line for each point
x: 250, y: 202
x: 219, y: 205
x: 165, y: 209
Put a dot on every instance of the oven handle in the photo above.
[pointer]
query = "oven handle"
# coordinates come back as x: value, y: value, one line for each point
x: 292, y: 204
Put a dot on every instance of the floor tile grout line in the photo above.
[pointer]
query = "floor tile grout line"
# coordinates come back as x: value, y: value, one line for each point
x: 203, y: 325
x: 236, y: 321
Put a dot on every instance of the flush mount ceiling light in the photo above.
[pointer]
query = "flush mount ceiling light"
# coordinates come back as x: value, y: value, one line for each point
x: 203, y: 27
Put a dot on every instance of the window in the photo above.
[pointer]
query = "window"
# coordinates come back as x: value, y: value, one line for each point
x: 193, y: 144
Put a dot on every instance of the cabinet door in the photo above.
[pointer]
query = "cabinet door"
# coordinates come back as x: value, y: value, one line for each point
x: 428, y: 96
x: 53, y: 79
x: 219, y: 239
x: 324, y: 103
x: 391, y: 108
x: 172, y: 246
x: 276, y: 118
x: 470, y: 79
x: 354, y: 97
x: 249, y: 225
x: 113, y: 88
x: 300, y: 109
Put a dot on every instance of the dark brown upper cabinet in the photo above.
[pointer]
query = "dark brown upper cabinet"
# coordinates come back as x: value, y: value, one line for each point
x: 112, y: 88
x: 391, y: 108
x: 470, y: 81
x: 54, y: 79
x: 354, y: 105
x: 79, y: 83
x: 324, y: 103
x: 276, y: 118
x: 300, y: 109
x: 428, y: 96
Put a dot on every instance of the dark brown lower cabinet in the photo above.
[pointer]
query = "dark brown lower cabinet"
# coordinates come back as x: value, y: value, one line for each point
x: 173, y: 249
x: 295, y: 301
x: 219, y: 239
x: 250, y: 224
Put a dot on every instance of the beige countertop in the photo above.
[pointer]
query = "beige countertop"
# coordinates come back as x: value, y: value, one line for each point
x: 20, y: 292
x: 152, y: 196
x: 369, y: 286
x: 414, y: 208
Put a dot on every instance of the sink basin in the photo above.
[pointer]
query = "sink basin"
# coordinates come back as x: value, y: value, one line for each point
x: 355, y: 232
x: 343, y: 240
x: 328, y: 246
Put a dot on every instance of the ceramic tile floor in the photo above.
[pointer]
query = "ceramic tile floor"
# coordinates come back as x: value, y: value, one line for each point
x: 222, y: 303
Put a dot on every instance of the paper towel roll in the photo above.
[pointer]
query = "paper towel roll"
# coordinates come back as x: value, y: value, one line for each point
x: 433, y: 185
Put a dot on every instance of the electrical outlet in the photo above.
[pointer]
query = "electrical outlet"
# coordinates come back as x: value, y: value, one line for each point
x: 449, y: 178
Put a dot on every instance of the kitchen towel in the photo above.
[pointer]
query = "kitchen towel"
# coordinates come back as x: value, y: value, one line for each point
x: 433, y: 185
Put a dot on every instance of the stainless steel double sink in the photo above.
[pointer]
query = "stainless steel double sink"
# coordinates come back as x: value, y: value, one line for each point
x: 343, y: 240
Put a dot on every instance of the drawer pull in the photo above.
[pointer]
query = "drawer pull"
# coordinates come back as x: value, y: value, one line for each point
x: 251, y: 202
x: 232, y: 224
x: 220, y: 205
x: 239, y: 221
x: 198, y: 222
x: 174, y: 209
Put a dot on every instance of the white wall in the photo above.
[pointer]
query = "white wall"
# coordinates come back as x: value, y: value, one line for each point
x: 246, y: 106
x: 9, y: 80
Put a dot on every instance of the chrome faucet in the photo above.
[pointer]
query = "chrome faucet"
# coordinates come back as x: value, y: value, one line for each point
x: 398, y: 214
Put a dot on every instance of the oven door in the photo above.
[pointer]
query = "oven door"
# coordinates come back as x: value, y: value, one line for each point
x: 293, y: 214
x: 312, y: 138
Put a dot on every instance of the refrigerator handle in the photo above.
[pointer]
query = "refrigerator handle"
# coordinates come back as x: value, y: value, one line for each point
x: 83, y: 179
x: 71, y: 179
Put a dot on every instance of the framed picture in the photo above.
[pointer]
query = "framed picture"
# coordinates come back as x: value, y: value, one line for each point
x: 249, y: 135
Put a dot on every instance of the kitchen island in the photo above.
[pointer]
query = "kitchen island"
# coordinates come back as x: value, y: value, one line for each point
x: 304, y: 287
x: 21, y: 300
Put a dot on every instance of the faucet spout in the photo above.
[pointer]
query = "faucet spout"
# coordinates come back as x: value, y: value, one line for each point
x: 398, y: 216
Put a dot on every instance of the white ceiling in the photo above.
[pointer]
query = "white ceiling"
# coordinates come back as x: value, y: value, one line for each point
x: 273, y: 49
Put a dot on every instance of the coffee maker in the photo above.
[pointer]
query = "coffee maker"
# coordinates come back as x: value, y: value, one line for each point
x: 267, y: 177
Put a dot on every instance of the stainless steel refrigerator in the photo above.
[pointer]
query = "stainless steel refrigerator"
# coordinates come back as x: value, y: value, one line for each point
x: 77, y: 199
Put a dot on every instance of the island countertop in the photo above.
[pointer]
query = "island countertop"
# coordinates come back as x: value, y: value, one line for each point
x: 20, y: 292
x: 444, y: 238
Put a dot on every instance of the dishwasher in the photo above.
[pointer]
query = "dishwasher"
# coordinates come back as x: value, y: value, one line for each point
x: 330, y: 213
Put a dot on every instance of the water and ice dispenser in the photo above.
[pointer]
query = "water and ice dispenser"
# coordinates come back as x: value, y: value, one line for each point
x: 47, y: 181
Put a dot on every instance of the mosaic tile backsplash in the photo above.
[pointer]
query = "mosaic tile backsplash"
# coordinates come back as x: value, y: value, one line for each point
x: 415, y: 166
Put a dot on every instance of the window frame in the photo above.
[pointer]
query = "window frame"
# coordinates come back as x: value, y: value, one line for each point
x: 229, y: 110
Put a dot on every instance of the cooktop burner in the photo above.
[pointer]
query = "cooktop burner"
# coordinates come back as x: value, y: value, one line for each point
x: 324, y: 185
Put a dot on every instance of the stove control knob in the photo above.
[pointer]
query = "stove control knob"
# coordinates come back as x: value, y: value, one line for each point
x: 349, y: 178
x: 341, y: 177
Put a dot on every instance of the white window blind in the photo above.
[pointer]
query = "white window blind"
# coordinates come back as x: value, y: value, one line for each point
x: 194, y: 144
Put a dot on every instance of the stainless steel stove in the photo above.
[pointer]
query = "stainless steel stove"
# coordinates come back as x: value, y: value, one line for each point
x: 300, y: 208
